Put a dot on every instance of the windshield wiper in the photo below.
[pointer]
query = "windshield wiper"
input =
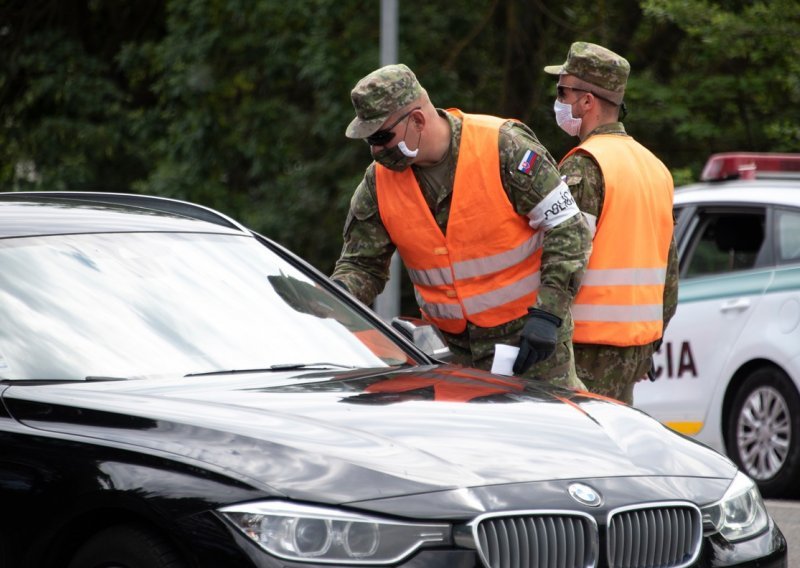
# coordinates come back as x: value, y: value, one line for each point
x: 276, y: 368
x: 88, y: 379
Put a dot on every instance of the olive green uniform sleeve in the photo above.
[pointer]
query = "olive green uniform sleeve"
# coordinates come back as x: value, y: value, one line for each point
x: 363, y: 266
x: 671, y: 284
x: 566, y: 246
x: 585, y: 181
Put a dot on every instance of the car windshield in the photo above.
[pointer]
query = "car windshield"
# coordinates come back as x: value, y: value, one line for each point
x: 134, y: 305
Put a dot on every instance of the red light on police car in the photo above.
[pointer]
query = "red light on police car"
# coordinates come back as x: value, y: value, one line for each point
x: 746, y: 165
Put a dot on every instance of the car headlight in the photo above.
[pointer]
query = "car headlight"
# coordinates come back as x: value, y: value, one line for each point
x: 325, y: 535
x: 740, y: 514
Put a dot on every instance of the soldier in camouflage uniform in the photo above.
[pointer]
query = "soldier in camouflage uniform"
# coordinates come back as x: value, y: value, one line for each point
x: 391, y: 108
x: 594, y: 79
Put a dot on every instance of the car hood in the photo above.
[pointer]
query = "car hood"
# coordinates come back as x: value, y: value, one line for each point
x: 360, y: 435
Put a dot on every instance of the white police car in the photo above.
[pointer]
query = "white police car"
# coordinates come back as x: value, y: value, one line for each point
x: 728, y: 373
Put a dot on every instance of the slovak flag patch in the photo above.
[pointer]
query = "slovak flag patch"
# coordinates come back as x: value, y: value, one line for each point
x: 528, y: 161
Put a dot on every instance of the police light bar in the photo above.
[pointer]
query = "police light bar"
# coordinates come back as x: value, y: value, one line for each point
x: 745, y: 165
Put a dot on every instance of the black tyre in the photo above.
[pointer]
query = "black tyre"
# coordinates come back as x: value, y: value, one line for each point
x: 763, y: 431
x: 126, y: 546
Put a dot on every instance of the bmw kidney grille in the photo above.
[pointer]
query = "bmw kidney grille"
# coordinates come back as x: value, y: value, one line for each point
x: 666, y: 535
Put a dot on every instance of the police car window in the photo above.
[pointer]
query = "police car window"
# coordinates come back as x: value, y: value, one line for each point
x: 681, y: 216
x: 725, y: 242
x: 788, y: 229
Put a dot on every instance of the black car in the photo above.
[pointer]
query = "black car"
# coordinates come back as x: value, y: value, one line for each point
x: 179, y: 392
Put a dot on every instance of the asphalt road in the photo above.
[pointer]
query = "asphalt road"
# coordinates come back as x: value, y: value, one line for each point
x: 787, y: 515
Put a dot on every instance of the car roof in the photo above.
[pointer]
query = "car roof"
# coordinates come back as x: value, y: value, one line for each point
x: 24, y: 214
x: 741, y: 192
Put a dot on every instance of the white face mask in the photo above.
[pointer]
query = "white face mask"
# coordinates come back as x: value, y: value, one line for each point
x: 406, y: 151
x: 565, y: 120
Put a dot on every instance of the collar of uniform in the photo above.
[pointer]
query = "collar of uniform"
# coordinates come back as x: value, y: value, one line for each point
x: 610, y: 128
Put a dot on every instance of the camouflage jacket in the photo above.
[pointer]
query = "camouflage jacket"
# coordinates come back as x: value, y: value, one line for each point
x: 364, y: 262
x: 585, y: 181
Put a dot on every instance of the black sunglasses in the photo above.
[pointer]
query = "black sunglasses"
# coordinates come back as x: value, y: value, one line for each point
x: 560, y: 90
x: 384, y: 136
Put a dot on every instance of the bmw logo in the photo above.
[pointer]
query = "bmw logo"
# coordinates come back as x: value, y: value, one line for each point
x: 585, y: 495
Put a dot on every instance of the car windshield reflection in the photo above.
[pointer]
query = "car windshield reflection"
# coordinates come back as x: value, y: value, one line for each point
x: 164, y: 304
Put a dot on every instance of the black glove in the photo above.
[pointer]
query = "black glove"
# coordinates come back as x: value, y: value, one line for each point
x: 537, y: 340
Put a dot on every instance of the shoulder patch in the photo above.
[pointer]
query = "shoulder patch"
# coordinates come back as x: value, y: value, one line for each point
x: 528, y: 163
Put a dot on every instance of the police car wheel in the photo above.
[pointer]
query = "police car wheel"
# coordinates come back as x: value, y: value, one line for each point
x: 763, y: 433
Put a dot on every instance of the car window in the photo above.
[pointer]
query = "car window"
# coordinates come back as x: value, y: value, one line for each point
x: 133, y: 305
x: 678, y: 212
x: 725, y: 242
x: 788, y: 225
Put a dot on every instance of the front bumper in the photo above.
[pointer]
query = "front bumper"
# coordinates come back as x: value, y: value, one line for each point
x: 221, y: 544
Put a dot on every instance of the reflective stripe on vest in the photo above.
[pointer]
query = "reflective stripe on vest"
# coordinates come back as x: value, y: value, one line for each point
x: 587, y: 312
x: 487, y: 300
x: 621, y: 294
x: 624, y: 276
x: 478, y: 266
x: 485, y: 273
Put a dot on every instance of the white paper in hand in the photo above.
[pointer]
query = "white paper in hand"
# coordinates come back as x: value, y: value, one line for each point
x: 504, y: 357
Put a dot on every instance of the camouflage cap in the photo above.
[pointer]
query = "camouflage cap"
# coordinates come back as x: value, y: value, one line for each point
x: 600, y: 70
x: 378, y: 95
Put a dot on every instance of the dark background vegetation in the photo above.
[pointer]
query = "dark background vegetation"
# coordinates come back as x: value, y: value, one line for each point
x: 241, y: 105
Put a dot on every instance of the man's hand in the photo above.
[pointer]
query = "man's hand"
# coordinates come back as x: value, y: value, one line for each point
x: 537, y: 341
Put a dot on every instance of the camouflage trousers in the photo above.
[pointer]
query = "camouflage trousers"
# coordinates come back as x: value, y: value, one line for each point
x: 475, y: 348
x: 612, y: 371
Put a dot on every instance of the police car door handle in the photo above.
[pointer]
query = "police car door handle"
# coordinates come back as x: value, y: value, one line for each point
x: 737, y: 305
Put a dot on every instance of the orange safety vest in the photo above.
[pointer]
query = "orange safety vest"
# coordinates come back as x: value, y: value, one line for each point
x: 620, y: 301
x: 486, y: 270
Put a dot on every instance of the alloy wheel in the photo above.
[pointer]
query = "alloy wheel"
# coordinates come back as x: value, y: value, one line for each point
x: 763, y: 433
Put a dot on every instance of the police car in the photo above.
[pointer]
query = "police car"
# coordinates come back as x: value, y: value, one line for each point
x: 728, y: 372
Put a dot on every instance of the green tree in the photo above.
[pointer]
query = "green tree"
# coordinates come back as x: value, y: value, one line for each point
x: 730, y: 82
x: 241, y: 105
x: 64, y: 106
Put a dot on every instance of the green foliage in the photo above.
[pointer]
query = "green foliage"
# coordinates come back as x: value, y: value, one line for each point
x: 734, y: 76
x: 683, y: 176
x: 242, y: 104
x: 77, y: 132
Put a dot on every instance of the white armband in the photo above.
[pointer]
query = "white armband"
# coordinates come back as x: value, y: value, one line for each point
x: 554, y: 209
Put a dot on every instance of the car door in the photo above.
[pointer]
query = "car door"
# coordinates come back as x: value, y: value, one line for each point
x: 726, y: 266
